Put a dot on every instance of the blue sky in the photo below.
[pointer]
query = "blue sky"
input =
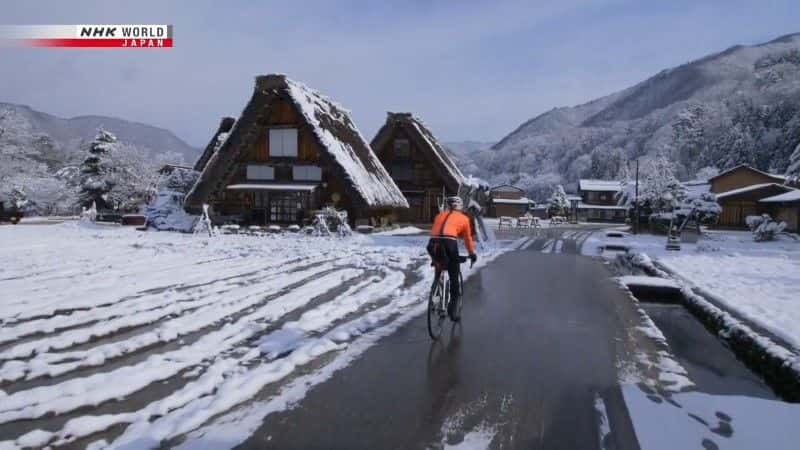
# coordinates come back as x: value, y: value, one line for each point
x: 472, y: 70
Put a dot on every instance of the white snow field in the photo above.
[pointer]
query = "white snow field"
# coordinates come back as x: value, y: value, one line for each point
x: 124, y: 339
x: 699, y: 420
x: 757, y: 280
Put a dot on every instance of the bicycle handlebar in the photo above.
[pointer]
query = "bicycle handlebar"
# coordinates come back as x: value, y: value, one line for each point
x: 462, y: 259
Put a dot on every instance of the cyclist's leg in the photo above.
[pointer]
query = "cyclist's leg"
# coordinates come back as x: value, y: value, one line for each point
x: 453, y: 269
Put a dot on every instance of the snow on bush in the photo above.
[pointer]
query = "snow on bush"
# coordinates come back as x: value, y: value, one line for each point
x: 166, y: 213
x: 704, y: 208
x: 764, y: 228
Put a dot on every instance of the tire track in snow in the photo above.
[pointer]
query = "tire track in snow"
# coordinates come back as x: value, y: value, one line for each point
x: 84, y: 297
x: 211, y: 380
x: 56, y: 364
x: 183, y: 292
x: 100, y: 387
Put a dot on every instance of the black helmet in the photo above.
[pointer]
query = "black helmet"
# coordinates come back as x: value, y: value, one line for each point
x: 455, y: 202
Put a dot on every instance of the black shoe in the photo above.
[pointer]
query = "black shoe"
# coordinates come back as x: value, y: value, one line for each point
x: 452, y: 310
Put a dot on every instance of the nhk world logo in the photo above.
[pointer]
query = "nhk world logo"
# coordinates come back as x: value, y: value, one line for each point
x: 87, y: 36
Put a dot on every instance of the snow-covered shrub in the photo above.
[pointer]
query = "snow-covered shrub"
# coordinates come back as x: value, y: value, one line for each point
x: 764, y: 228
x: 703, y: 208
x: 166, y: 212
x: 89, y: 214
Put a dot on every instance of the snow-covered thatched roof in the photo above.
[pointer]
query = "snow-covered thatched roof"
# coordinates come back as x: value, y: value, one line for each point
x: 339, y: 141
x: 215, y: 143
x: 600, y: 185
x: 422, y: 137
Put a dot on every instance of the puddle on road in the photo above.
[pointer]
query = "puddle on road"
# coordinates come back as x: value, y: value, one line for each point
x: 711, y: 365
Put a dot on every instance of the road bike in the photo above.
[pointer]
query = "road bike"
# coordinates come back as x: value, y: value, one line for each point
x: 439, y: 299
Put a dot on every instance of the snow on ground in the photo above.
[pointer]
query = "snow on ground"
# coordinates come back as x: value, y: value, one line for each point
x: 756, y: 280
x: 699, y: 420
x: 642, y: 280
x: 402, y: 231
x: 167, y: 331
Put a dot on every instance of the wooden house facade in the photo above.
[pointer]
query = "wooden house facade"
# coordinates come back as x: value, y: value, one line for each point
x: 598, y: 201
x: 739, y: 193
x: 418, y: 164
x: 510, y: 201
x: 291, y: 152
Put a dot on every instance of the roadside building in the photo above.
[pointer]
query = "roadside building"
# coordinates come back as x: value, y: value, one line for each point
x: 598, y: 201
x: 785, y: 207
x: 418, y: 164
x: 739, y: 203
x: 740, y: 190
x: 507, y: 200
x: 291, y: 152
x: 742, y: 176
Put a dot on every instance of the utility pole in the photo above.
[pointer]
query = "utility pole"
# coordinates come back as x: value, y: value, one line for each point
x: 636, y: 201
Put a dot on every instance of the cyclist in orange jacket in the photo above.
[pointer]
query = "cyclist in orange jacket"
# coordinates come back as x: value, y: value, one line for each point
x: 448, y: 226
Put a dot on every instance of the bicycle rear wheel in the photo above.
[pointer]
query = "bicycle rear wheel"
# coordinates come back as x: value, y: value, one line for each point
x: 437, y: 306
x: 461, y: 297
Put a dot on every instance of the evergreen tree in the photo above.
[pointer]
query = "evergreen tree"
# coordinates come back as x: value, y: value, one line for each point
x: 793, y: 171
x: 557, y: 204
x: 97, y: 174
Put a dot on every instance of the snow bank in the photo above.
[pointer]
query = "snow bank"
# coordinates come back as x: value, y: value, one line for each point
x: 642, y: 280
x: 402, y: 231
x: 760, y: 289
x: 699, y: 420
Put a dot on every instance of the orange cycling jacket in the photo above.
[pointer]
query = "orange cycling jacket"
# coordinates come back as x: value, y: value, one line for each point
x: 453, y: 224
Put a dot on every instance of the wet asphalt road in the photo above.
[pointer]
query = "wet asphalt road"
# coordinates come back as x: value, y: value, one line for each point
x: 537, y: 346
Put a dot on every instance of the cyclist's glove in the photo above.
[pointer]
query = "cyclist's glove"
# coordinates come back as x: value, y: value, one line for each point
x: 473, y: 257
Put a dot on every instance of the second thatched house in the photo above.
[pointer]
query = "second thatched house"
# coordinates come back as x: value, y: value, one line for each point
x: 292, y: 151
x: 418, y: 164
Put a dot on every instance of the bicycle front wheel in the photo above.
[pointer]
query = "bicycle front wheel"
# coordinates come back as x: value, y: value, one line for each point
x: 437, y: 307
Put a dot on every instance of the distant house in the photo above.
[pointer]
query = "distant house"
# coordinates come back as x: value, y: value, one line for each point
x: 745, y: 201
x: 167, y: 169
x: 742, y: 176
x: 740, y: 190
x: 292, y: 151
x: 784, y: 207
x: 598, y: 201
x: 507, y: 200
x: 418, y: 164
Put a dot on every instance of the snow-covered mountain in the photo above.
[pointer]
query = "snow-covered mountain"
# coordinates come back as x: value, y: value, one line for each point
x: 39, y: 153
x: 462, y: 154
x: 738, y: 106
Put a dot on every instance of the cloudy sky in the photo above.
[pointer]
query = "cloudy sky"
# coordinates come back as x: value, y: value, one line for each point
x: 472, y: 70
